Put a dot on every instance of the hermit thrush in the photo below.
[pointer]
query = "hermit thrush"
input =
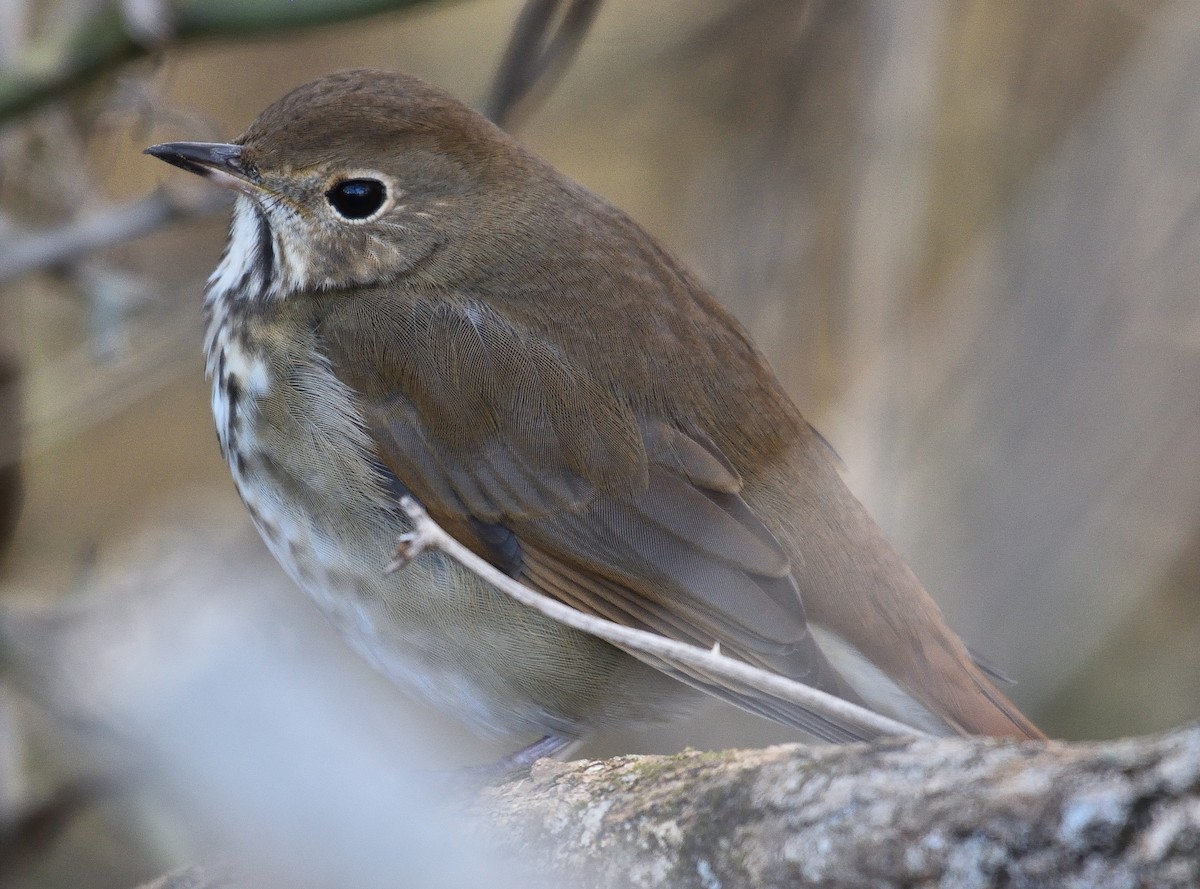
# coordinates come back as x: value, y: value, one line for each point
x: 412, y: 302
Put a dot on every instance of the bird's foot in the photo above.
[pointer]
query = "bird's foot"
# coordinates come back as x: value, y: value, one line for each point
x: 408, y: 547
x: 413, y: 543
x: 517, y: 764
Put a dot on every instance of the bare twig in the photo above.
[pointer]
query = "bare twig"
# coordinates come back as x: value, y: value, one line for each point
x: 537, y: 55
x: 106, y: 228
x: 427, y: 533
x: 103, y: 40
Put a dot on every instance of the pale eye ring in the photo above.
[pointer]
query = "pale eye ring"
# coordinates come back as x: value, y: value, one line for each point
x: 356, y: 199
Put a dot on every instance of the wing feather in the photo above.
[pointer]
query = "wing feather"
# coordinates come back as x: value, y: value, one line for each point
x: 615, y: 511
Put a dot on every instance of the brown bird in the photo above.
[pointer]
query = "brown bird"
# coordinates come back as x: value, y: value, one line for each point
x: 410, y: 301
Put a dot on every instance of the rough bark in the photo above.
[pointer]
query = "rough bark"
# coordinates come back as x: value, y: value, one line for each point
x: 929, y: 813
x: 946, y: 813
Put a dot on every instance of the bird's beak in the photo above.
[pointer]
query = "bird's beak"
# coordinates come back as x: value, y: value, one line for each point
x: 219, y: 162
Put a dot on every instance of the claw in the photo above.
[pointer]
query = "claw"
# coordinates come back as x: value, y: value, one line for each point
x: 408, y: 547
x: 413, y: 543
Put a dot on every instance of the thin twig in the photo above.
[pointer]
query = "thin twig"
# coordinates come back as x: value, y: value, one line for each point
x: 106, y: 228
x: 427, y: 533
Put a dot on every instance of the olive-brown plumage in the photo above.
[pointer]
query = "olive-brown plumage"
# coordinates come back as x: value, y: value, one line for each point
x: 411, y: 301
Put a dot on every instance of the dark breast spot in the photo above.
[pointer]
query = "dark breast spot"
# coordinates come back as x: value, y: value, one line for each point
x: 233, y: 394
x: 266, y: 247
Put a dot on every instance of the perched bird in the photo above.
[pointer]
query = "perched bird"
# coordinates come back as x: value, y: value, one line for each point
x: 410, y: 301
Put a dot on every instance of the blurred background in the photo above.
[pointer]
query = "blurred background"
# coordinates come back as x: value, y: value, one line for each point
x: 966, y: 234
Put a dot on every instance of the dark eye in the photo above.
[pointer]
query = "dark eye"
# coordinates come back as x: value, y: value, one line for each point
x: 356, y: 198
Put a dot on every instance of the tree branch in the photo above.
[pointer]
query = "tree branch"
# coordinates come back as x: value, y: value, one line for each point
x: 105, y: 228
x: 104, y: 40
x: 908, y: 812
x: 949, y: 812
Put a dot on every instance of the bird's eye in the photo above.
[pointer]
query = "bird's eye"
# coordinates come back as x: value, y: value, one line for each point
x: 356, y: 198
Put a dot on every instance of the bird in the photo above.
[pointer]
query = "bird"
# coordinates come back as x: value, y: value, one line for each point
x: 412, y: 303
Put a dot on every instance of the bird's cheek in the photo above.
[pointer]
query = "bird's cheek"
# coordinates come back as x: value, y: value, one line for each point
x: 307, y: 260
x: 346, y: 259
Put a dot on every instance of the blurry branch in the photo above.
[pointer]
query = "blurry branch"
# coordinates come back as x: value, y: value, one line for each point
x: 107, y: 228
x: 107, y: 39
x: 538, y: 53
x: 292, y: 762
x: 36, y: 828
x: 653, y: 647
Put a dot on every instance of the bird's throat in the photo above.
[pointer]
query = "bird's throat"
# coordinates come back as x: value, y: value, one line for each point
x: 248, y: 270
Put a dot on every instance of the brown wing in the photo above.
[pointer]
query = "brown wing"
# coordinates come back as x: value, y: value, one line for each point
x: 620, y: 515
